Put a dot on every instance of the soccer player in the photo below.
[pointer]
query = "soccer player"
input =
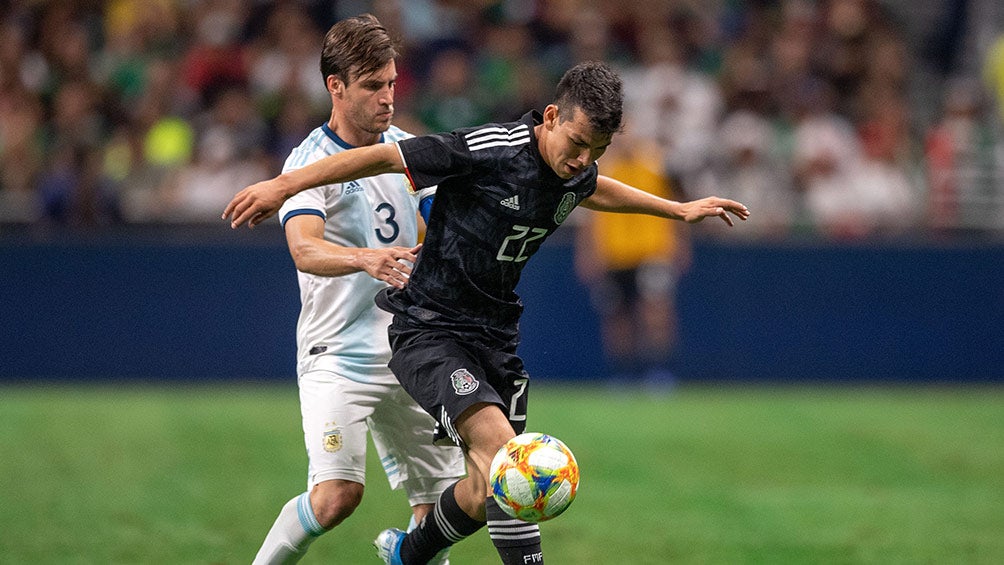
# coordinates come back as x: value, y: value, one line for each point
x: 502, y: 190
x: 348, y: 241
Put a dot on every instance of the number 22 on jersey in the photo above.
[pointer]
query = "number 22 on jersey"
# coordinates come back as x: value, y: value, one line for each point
x: 514, y: 246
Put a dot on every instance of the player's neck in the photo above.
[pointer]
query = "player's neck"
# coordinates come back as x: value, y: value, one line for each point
x: 352, y: 135
x: 539, y: 133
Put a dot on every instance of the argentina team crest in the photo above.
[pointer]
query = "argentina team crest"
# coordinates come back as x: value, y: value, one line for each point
x: 565, y: 207
x: 463, y: 382
x: 332, y: 437
x: 406, y: 184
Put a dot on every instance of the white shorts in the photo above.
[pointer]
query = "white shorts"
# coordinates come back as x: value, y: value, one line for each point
x: 338, y: 411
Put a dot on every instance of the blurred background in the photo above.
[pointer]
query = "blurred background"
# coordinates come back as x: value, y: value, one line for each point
x: 866, y: 136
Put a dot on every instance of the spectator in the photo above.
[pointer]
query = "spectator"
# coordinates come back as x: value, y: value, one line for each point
x: 960, y: 152
x: 452, y: 99
x: 747, y: 168
x: 826, y: 158
x: 160, y: 141
x: 20, y: 154
x: 71, y: 186
x: 677, y: 108
x: 230, y: 150
x: 215, y: 58
x: 631, y: 265
x: 155, y: 68
x: 887, y: 201
x: 292, y: 124
x: 284, y: 63
x: 507, y: 72
x: 137, y: 34
x: 789, y: 62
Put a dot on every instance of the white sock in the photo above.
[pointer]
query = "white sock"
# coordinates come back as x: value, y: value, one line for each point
x: 294, y: 530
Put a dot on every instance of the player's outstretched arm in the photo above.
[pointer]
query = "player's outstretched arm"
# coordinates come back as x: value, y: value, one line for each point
x: 259, y: 201
x: 615, y: 196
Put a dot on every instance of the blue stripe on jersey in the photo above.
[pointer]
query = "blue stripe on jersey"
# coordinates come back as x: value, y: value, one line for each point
x: 301, y: 212
x: 306, y: 152
x: 425, y: 208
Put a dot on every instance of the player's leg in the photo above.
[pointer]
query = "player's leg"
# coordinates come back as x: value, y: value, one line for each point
x: 442, y: 376
x: 473, y: 392
x: 291, y: 533
x: 402, y: 433
x: 485, y: 429
x: 467, y: 505
x: 460, y: 509
x: 515, y: 540
x: 334, y: 412
x: 457, y: 514
x: 335, y: 500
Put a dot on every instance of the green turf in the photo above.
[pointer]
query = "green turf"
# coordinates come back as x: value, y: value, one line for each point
x: 122, y: 474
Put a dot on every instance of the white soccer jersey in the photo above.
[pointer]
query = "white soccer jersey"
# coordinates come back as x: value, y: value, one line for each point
x: 340, y: 329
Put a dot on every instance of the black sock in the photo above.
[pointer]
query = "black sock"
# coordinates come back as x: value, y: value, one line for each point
x: 517, y: 542
x: 444, y: 526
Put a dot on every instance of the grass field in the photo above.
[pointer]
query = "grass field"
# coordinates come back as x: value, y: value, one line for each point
x: 124, y: 474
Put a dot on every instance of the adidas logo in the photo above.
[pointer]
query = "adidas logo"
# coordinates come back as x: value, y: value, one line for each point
x: 511, y: 202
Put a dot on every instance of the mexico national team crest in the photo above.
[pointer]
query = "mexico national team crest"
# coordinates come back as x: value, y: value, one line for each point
x: 332, y: 438
x: 463, y: 382
x: 565, y: 207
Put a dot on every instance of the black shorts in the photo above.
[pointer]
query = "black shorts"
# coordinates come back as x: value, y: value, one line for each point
x: 621, y: 289
x: 447, y: 374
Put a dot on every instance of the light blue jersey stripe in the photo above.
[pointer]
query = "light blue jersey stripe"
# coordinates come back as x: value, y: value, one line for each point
x: 306, y: 152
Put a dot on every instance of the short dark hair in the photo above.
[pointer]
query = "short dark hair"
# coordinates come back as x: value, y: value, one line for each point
x: 355, y: 47
x: 597, y: 90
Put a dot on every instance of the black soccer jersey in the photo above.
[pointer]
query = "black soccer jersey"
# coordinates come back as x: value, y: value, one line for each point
x: 496, y: 203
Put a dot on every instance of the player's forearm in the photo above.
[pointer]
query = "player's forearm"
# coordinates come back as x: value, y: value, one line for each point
x: 614, y: 196
x: 348, y: 165
x: 318, y: 257
x: 326, y: 259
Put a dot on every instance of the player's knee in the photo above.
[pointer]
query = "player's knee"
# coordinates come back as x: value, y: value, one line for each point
x: 479, y: 489
x: 335, y: 501
x: 470, y: 494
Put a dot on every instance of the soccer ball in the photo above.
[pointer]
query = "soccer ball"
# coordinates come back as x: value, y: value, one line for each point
x: 534, y: 477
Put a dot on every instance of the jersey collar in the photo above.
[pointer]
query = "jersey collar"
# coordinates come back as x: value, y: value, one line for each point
x: 532, y: 119
x: 339, y: 141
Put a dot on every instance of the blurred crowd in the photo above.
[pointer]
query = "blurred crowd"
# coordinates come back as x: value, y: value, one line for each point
x: 844, y: 118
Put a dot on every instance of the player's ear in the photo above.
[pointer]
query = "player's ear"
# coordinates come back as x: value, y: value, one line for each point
x: 335, y: 85
x: 550, y: 116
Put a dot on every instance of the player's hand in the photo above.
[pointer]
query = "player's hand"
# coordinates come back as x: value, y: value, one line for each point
x: 697, y: 210
x: 391, y: 265
x: 254, y: 204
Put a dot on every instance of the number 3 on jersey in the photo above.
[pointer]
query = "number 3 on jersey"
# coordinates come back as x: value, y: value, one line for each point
x: 388, y: 209
x: 521, y: 236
